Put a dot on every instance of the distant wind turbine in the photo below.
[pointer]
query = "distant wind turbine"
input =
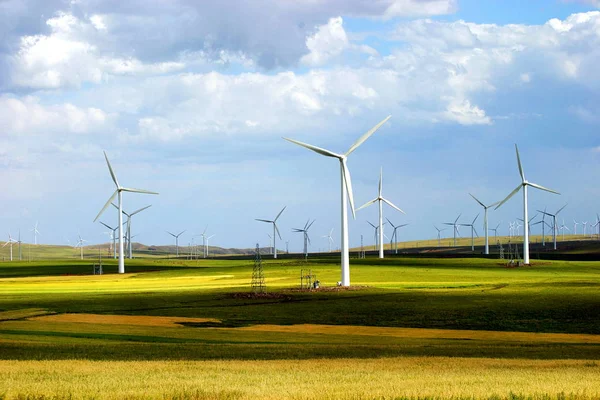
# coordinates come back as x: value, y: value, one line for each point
x: 176, y: 241
x: 305, y: 235
x: 119, y: 193
x: 439, y: 232
x: 523, y: 185
x: 275, y: 230
x: 473, y: 231
x: 329, y: 239
x: 554, y: 228
x: 379, y: 199
x: 455, y: 226
x: 10, y: 243
x: 394, y: 240
x: 35, y: 231
x: 346, y: 194
x: 80, y: 245
x: 114, y: 238
x: 485, y: 221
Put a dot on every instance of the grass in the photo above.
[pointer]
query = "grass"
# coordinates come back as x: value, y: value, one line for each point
x: 410, y: 328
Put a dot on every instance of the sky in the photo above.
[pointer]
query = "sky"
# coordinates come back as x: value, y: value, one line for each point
x: 191, y: 99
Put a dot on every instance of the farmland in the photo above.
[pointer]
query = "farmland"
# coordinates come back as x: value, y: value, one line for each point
x: 408, y: 327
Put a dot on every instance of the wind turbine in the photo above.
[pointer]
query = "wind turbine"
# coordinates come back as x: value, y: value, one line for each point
x: 485, y: 221
x: 584, y: 227
x: 394, y: 239
x: 454, y: 224
x: 35, y: 231
x: 10, y: 242
x: 305, y: 235
x: 553, y: 216
x: 523, y: 185
x: 376, y: 236
x: 128, y: 229
x: 206, y: 245
x: 114, y: 238
x: 575, y: 223
x: 529, y: 224
x: 380, y: 200
x: 329, y: 239
x: 473, y: 231
x: 495, y: 230
x: 176, y: 241
x: 19, y: 241
x: 275, y: 230
x: 346, y: 194
x: 563, y: 227
x: 439, y: 231
x: 80, y: 245
x: 119, y: 194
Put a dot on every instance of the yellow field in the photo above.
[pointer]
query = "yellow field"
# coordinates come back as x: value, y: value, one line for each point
x: 305, y: 379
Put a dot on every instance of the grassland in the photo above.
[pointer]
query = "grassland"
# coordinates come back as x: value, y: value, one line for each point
x: 457, y: 328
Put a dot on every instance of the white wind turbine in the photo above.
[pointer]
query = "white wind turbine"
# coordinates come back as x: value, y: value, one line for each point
x: 394, y: 240
x: 584, y: 223
x: 128, y: 236
x: 485, y: 221
x: 10, y: 243
x: 575, y: 223
x: 114, y: 238
x: 305, y: 235
x: 270, y: 243
x: 35, y: 231
x: 379, y: 199
x: 455, y: 226
x: 495, y: 230
x: 473, y: 231
x: 523, y: 185
x: 554, y: 228
x: 562, y: 228
x: 329, y: 239
x: 346, y: 194
x: 80, y: 245
x: 439, y: 233
x: 176, y: 241
x: 375, y: 235
x: 275, y: 230
x: 119, y: 194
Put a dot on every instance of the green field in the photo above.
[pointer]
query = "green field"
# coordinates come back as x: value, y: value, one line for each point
x: 408, y: 328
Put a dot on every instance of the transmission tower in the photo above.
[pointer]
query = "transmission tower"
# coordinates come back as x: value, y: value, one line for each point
x: 258, y: 277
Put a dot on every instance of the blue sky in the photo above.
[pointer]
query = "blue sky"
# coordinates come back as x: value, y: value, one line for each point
x: 192, y: 99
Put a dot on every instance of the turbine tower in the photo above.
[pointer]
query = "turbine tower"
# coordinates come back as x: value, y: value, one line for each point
x: 394, y: 240
x: 380, y: 200
x: 553, y: 216
x: 485, y: 221
x: 176, y: 241
x: 523, y: 185
x: 275, y: 230
x: 346, y: 194
x: 119, y: 194
x: 455, y: 225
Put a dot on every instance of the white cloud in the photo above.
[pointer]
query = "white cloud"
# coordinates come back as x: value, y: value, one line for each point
x: 27, y: 116
x: 466, y: 114
x: 329, y: 41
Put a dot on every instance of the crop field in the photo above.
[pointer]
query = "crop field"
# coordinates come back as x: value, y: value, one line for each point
x: 407, y: 328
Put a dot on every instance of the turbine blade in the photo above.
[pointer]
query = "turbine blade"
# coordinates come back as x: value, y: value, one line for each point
x: 366, y: 136
x: 400, y: 226
x: 482, y: 205
x: 368, y: 203
x: 277, y: 230
x: 112, y: 173
x: 368, y: 222
x: 560, y: 209
x: 542, y: 188
x: 475, y: 219
x: 348, y: 184
x: 181, y: 233
x: 319, y: 150
x: 263, y: 220
x: 170, y: 233
x: 456, y: 220
x: 519, y: 162
x: 509, y: 196
x: 389, y: 203
x: 380, y: 180
x: 308, y: 227
x: 140, y: 210
x: 388, y: 220
x: 138, y: 191
x: 475, y: 230
x: 105, y: 205
x: 106, y: 225
x: 278, y: 215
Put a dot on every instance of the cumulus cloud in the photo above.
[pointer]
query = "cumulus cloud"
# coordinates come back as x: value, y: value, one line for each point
x: 27, y: 116
x: 328, y: 42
